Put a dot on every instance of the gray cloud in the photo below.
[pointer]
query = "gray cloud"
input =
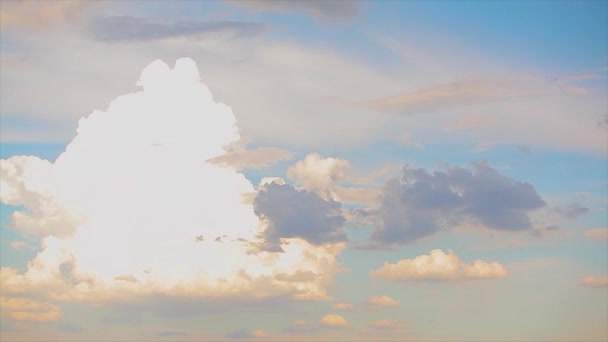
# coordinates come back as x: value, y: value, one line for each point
x: 420, y: 203
x: 127, y: 28
x: 573, y: 210
x: 293, y: 213
x: 326, y: 9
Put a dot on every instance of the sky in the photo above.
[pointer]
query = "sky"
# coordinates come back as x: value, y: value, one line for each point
x: 303, y: 170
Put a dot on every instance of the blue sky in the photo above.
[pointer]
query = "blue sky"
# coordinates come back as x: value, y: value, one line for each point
x: 304, y: 170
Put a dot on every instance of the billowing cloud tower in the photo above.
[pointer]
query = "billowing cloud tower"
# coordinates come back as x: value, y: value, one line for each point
x: 132, y: 206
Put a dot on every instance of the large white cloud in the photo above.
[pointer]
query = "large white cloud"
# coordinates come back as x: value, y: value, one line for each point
x: 438, y: 265
x: 131, y: 206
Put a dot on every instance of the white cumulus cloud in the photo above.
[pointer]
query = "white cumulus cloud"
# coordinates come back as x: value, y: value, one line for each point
x: 438, y: 265
x: 119, y: 212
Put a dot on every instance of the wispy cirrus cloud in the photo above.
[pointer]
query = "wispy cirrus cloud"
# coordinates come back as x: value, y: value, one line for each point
x: 127, y: 28
x: 325, y: 10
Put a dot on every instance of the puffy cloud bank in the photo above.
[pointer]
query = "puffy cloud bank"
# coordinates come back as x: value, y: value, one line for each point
x: 438, y: 265
x: 133, y: 208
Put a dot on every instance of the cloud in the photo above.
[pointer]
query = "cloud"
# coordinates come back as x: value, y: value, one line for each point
x: 573, y: 210
x: 126, y: 28
x: 329, y: 321
x: 134, y: 182
x: 37, y: 15
x: 318, y: 175
x: 439, y: 266
x: 24, y: 309
x: 594, y: 281
x: 597, y: 234
x: 420, y: 203
x: 292, y: 213
x: 327, y: 10
x: 333, y: 321
x: 257, y: 158
x: 384, y: 301
x: 171, y: 333
x: 461, y: 93
x: 243, y: 333
x: 21, y: 246
x: 384, y: 326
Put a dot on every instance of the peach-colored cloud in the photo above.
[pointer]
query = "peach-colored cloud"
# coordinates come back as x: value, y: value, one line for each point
x: 438, y: 265
x: 594, y: 281
x: 385, y: 301
x: 332, y: 320
x: 39, y: 14
x: 597, y: 234
x: 24, y: 309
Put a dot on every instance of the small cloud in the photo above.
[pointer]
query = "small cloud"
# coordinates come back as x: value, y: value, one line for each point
x: 171, y: 333
x: 573, y: 210
x: 438, y: 266
x: 384, y: 301
x: 257, y: 158
x: 333, y: 321
x: 597, y: 234
x: 127, y: 277
x: 21, y: 246
x: 243, y: 333
x: 301, y: 276
x: 594, y: 281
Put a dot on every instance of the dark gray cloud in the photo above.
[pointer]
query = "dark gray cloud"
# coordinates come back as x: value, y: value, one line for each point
x: 326, y: 9
x: 573, y: 210
x: 422, y: 203
x: 126, y: 28
x: 291, y: 213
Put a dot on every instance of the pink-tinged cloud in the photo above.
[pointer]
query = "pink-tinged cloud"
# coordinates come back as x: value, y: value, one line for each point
x: 597, y: 234
x: 439, y: 266
x: 594, y: 281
